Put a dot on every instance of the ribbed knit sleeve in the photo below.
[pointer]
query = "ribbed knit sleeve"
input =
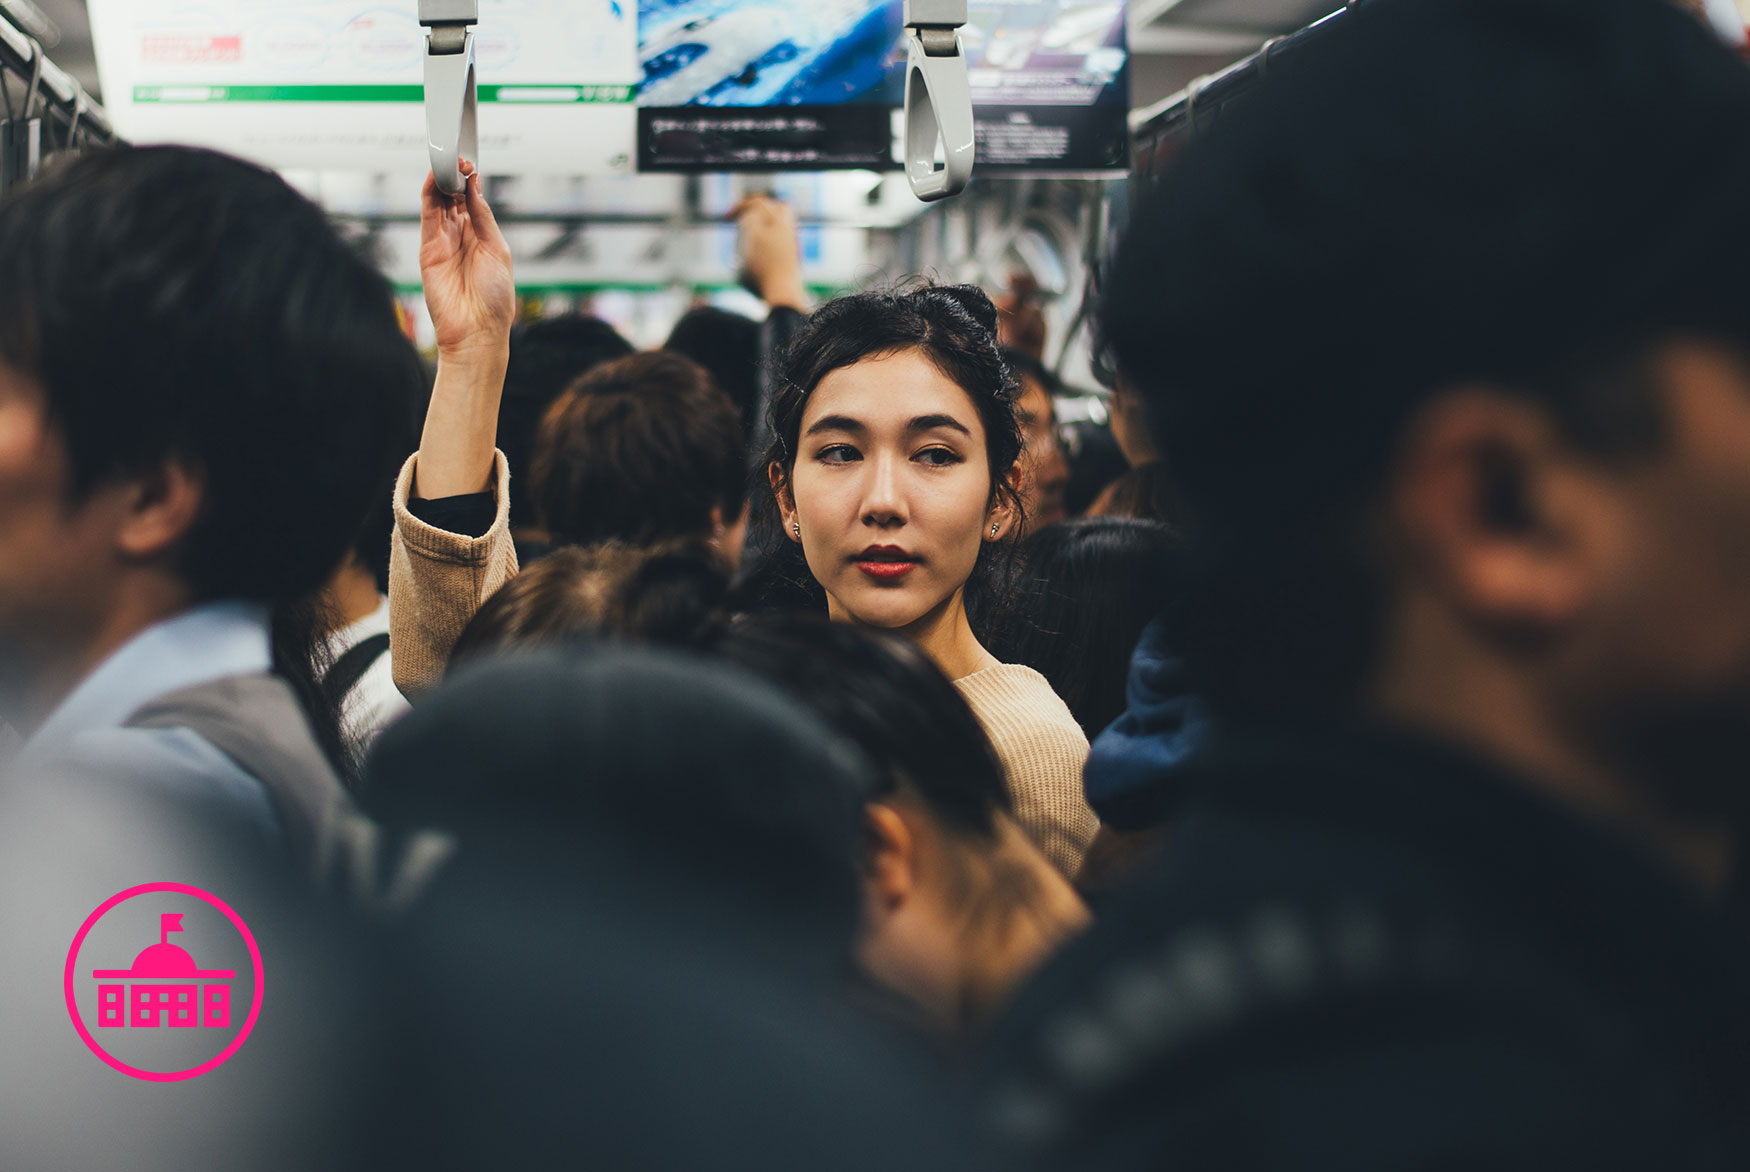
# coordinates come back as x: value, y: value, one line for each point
x: 1042, y: 749
x: 438, y: 579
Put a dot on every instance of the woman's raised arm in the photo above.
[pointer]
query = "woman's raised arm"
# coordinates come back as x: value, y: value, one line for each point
x: 465, y: 264
x: 438, y: 578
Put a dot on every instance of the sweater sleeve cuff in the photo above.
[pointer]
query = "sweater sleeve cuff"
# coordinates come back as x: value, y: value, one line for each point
x: 469, y: 515
x: 454, y: 529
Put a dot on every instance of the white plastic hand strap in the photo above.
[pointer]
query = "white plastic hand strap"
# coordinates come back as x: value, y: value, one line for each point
x: 452, y: 125
x: 938, y: 99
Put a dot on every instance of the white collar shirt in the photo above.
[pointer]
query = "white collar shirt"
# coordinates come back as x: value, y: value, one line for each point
x: 87, y: 732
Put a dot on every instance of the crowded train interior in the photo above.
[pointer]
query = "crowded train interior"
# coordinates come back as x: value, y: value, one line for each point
x: 1029, y: 585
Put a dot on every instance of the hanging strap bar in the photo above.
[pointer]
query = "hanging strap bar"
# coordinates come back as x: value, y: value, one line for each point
x: 23, y: 141
x: 938, y: 99
x: 451, y: 88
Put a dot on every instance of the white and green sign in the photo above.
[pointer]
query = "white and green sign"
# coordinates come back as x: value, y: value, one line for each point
x: 336, y: 84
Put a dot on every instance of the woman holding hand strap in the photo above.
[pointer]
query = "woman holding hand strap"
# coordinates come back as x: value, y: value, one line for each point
x: 893, y: 465
x: 451, y: 547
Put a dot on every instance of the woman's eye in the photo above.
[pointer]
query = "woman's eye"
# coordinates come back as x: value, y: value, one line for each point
x: 837, y: 454
x: 939, y: 457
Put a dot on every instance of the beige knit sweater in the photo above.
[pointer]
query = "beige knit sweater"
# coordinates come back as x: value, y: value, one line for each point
x: 1042, y: 749
x: 437, y: 581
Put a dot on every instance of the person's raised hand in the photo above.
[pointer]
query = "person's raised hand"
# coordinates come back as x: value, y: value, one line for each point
x: 465, y: 264
x: 771, y: 250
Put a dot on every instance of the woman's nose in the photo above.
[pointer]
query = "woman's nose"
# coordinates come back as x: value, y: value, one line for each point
x: 884, y: 492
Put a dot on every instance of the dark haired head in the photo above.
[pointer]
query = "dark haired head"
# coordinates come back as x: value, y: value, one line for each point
x: 1023, y: 365
x: 177, y: 304
x: 1372, y: 228
x: 371, y: 544
x: 979, y: 905
x: 546, y: 356
x: 728, y: 346
x: 1145, y: 492
x: 954, y: 328
x: 638, y: 753
x: 1083, y: 593
x: 642, y: 449
x: 672, y: 593
x: 1048, y: 471
x: 882, y: 692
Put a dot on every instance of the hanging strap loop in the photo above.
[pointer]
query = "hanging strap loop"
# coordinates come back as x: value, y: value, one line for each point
x: 938, y: 99
x: 451, y: 88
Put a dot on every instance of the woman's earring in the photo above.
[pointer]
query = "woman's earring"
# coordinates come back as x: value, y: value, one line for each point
x: 993, y: 530
x: 796, y: 528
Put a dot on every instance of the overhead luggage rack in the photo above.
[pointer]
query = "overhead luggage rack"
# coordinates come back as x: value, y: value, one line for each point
x: 53, y: 114
x: 1156, y: 130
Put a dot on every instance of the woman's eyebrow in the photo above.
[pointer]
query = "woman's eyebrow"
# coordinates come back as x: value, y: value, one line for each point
x: 836, y: 423
x: 931, y: 422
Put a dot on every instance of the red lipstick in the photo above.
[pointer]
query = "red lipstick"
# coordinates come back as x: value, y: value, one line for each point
x: 885, y: 563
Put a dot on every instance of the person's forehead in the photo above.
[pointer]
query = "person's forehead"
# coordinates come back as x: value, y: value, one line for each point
x: 1035, y: 402
x: 890, y: 391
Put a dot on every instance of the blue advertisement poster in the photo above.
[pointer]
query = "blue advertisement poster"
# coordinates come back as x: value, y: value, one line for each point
x: 772, y: 84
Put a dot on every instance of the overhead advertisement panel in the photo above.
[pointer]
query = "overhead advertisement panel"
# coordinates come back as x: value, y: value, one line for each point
x: 1050, y: 84
x: 765, y: 84
x: 338, y: 84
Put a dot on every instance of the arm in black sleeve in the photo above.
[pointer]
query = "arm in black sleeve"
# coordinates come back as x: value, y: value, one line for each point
x: 468, y: 515
x: 776, y: 333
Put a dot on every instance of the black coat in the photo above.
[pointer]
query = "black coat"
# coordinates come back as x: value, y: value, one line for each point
x: 1379, y: 954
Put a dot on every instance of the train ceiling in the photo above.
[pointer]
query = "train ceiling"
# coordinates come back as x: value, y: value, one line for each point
x: 1171, y: 41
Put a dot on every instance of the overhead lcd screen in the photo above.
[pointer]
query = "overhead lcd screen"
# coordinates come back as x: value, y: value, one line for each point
x: 768, y: 52
x: 764, y: 84
x: 1050, y: 84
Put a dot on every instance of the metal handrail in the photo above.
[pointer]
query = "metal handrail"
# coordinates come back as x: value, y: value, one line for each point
x: 62, y: 96
x: 1181, y: 113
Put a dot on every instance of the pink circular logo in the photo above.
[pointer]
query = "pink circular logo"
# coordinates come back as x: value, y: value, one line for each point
x: 142, y: 1002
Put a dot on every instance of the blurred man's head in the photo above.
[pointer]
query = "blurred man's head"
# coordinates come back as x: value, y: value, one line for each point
x: 728, y: 346
x: 198, y: 384
x: 642, y: 450
x: 1455, y: 380
x: 1044, y: 470
x: 546, y: 356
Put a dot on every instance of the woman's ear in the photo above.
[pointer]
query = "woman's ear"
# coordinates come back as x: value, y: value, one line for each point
x: 786, y: 503
x: 1002, y: 517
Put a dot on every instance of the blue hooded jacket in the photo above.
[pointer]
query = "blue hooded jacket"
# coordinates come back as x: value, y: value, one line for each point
x: 1134, y: 773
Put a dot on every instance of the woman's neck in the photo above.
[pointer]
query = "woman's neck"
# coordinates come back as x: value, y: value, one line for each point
x: 944, y: 633
x: 351, y: 594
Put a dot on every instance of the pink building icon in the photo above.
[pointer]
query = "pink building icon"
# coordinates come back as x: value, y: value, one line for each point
x: 165, y: 982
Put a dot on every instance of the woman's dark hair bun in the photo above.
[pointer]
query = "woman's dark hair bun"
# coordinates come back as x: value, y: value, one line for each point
x: 970, y: 298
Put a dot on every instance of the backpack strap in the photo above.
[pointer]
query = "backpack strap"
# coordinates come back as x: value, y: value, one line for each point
x: 351, y: 667
x: 257, y: 721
